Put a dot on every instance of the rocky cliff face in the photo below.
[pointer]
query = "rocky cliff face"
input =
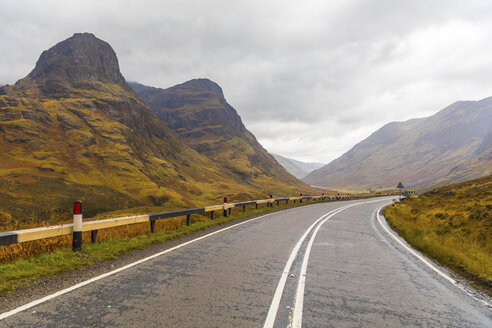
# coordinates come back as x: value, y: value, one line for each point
x: 81, y: 58
x: 196, y: 104
x: 450, y: 146
x: 198, y: 112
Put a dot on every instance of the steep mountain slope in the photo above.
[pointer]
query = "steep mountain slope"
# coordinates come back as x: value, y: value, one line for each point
x: 74, y: 129
x: 198, y: 112
x: 296, y: 168
x: 452, y: 145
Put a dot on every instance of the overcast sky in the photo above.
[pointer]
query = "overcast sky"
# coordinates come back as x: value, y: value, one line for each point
x: 309, y: 78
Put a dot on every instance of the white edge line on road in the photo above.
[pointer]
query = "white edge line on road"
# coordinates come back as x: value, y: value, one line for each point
x: 426, y: 262
x: 104, y: 275
x: 272, y: 312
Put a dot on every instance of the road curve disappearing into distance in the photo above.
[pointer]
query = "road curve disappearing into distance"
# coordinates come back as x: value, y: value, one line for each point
x: 324, y: 265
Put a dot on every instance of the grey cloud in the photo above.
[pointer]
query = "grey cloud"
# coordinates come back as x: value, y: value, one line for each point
x: 331, y: 71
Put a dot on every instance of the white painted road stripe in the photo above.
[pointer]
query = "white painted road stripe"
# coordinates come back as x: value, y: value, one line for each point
x: 272, y: 312
x: 299, y: 302
x: 426, y: 262
x: 87, y: 282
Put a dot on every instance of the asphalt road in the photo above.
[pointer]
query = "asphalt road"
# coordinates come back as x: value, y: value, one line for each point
x: 355, y: 275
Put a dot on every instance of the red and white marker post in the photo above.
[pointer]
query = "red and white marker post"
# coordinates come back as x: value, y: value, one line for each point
x: 77, y: 226
x: 225, y: 206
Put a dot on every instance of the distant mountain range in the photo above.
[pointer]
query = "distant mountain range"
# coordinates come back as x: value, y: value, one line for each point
x: 74, y: 129
x: 451, y: 146
x: 297, y: 168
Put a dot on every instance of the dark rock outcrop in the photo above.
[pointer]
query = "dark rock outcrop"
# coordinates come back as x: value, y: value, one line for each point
x: 198, y: 112
x: 77, y: 62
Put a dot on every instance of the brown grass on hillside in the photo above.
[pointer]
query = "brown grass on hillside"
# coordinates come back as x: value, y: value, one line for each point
x: 452, y: 224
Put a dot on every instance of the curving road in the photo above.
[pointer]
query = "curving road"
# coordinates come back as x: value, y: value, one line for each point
x: 324, y: 265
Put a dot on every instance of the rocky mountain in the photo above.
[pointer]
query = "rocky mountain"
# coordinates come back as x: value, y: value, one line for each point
x: 297, y: 168
x: 74, y: 129
x: 198, y: 112
x: 451, y: 146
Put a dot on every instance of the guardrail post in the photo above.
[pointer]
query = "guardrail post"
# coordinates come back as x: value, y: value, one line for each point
x: 11, y: 237
x: 77, y: 227
x: 225, y: 206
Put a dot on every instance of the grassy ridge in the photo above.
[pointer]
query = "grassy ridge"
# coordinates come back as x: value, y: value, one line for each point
x: 451, y: 224
x: 22, y: 272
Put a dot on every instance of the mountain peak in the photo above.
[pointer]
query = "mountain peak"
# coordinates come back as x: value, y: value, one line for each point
x: 203, y: 84
x: 80, y: 58
x: 198, y: 112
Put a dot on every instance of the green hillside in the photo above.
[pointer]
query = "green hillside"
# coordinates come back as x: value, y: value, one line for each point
x: 74, y: 129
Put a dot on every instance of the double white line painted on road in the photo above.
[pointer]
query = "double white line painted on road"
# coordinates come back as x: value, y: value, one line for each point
x: 299, y: 302
x: 428, y: 263
x: 107, y: 274
x: 296, y: 320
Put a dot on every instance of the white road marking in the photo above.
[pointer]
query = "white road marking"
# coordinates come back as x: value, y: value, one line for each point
x: 274, y: 306
x: 272, y: 312
x: 104, y: 275
x: 296, y: 321
x: 107, y: 274
x: 429, y: 264
x: 299, y: 302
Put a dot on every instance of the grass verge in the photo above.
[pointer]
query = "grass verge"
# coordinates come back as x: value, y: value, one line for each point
x: 22, y: 272
x: 452, y: 225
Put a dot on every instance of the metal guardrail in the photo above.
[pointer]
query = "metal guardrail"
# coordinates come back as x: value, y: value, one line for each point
x: 76, y: 228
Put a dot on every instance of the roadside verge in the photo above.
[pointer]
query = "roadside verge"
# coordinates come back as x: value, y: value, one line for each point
x: 31, y: 278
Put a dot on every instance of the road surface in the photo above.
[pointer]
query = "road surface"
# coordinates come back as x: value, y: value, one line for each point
x: 324, y: 265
